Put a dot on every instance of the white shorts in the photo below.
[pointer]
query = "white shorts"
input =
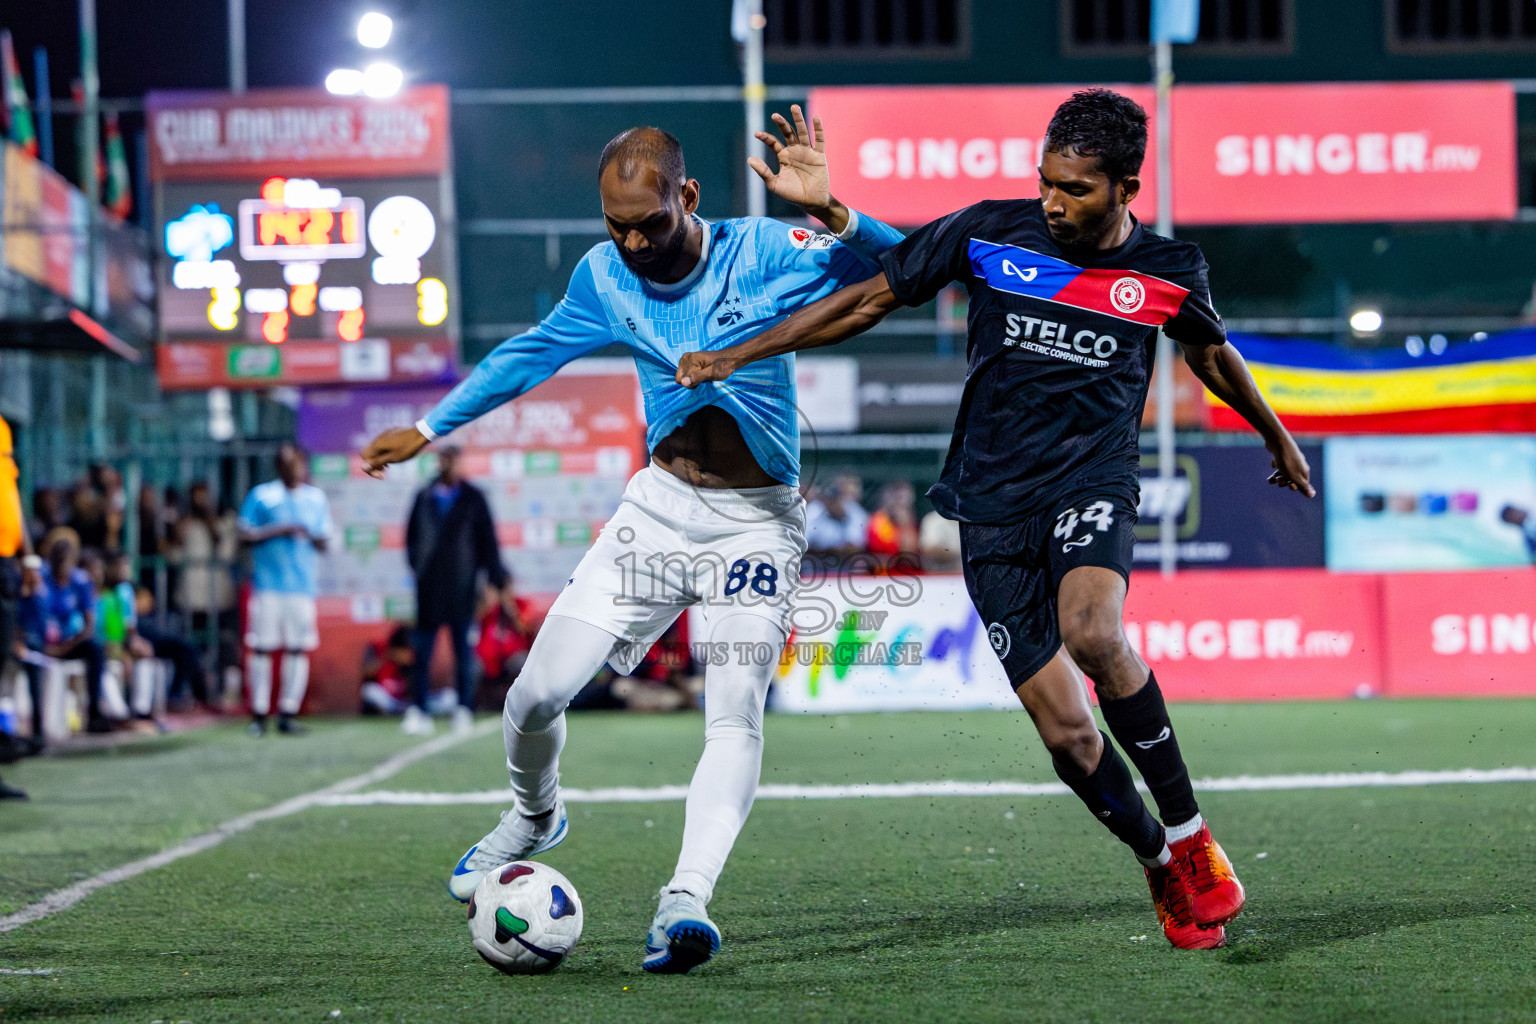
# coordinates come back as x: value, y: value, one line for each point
x: 281, y: 622
x: 671, y: 545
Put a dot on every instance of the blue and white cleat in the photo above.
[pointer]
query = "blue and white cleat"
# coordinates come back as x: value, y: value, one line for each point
x: 682, y: 936
x: 516, y: 838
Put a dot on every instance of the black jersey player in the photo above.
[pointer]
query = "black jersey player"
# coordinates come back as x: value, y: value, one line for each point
x: 1067, y: 294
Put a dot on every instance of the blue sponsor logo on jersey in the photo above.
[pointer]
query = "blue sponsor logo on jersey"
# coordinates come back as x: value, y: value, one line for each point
x: 1009, y: 268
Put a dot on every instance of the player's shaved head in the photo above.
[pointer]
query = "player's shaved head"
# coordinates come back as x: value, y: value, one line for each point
x: 637, y: 150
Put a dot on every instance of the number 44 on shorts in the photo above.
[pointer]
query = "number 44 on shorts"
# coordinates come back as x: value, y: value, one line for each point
x: 764, y: 581
x: 1100, y: 515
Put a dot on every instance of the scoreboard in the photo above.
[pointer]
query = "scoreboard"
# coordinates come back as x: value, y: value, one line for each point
x: 305, y: 238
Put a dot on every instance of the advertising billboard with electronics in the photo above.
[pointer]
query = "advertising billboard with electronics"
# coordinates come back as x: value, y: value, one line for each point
x: 306, y: 238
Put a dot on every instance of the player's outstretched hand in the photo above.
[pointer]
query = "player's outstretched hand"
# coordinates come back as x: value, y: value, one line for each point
x: 396, y: 445
x: 1291, y: 469
x: 697, y: 368
x: 801, y: 151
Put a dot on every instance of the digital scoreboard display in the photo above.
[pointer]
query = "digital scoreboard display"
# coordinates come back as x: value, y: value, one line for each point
x: 301, y: 240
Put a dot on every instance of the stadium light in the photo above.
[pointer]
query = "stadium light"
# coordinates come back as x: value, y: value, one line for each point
x: 344, y: 82
x: 382, y: 79
x: 373, y: 30
x: 1365, y: 321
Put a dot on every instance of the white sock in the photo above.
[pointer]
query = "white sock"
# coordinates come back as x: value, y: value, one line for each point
x: 1184, y: 831
x: 258, y: 677
x: 142, y: 698
x: 295, y: 682
x: 565, y: 656
x: 1162, y: 858
x: 725, y: 782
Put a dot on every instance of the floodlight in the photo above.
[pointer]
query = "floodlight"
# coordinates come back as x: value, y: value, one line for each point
x: 373, y: 29
x: 1365, y: 321
x: 382, y: 79
x: 344, y: 82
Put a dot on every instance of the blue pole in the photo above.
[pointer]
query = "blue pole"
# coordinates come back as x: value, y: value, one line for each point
x: 44, y: 105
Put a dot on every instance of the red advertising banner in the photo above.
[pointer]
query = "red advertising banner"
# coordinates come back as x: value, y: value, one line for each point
x: 1272, y: 634
x: 1453, y: 634
x: 1332, y: 152
x: 911, y: 154
x: 206, y: 364
x: 1242, y: 154
x: 204, y: 136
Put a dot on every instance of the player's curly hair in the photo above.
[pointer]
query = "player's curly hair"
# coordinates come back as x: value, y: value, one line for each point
x: 1104, y: 124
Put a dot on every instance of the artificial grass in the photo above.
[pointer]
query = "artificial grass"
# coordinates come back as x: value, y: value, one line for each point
x: 1365, y: 904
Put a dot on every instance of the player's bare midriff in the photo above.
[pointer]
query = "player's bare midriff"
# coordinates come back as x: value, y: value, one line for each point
x: 709, y: 451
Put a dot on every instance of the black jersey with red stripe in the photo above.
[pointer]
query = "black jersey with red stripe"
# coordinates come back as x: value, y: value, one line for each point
x: 1059, y: 353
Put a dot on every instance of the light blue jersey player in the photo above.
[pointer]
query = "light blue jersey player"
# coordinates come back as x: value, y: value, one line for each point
x: 287, y: 522
x: 714, y: 520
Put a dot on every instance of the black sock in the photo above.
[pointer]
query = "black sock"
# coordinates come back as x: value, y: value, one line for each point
x: 1140, y: 724
x: 1110, y: 794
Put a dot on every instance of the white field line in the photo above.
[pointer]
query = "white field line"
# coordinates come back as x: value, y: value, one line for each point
x: 660, y: 794
x: 62, y: 899
x: 345, y: 794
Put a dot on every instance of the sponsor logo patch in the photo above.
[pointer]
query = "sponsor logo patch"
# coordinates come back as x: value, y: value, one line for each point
x: 803, y: 238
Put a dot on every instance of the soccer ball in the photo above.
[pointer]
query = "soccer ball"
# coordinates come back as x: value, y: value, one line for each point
x: 525, y: 918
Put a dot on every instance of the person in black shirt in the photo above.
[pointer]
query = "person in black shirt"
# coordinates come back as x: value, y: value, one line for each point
x: 1067, y: 294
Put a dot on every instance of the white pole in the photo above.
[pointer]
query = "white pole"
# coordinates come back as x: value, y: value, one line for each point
x: 753, y: 93
x: 1168, y: 522
x: 236, y: 13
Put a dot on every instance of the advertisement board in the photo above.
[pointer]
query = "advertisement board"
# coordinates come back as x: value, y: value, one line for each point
x: 1451, y: 502
x: 306, y: 238
x: 911, y: 154
x: 916, y: 642
x: 1242, y: 154
x: 45, y: 219
x: 899, y: 643
x: 1229, y: 515
x: 1344, y: 151
x: 553, y: 466
x: 1452, y: 634
x: 1275, y: 634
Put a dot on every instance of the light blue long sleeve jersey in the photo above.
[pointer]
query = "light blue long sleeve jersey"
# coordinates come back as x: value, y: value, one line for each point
x: 752, y: 273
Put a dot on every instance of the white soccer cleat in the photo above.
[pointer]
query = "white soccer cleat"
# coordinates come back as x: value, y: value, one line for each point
x: 417, y: 722
x: 516, y: 838
x: 682, y: 936
x: 463, y: 721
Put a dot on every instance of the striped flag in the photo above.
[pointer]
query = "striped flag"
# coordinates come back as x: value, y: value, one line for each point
x: 16, y: 107
x: 118, y: 195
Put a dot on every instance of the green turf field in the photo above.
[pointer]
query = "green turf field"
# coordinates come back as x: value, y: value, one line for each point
x: 1393, y: 904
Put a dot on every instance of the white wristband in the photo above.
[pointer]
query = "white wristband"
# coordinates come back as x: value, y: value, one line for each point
x: 33, y: 562
x: 850, y: 227
x: 426, y: 431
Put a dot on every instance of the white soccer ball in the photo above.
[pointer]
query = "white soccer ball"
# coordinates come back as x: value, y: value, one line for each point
x: 525, y: 918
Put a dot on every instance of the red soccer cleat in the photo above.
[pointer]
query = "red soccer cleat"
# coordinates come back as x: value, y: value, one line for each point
x: 1215, y: 894
x: 1170, y: 895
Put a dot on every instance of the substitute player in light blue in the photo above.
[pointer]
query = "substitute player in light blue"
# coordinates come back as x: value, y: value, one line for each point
x: 287, y: 522
x: 715, y: 519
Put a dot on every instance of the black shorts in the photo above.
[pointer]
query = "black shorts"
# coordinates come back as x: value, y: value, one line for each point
x: 1013, y: 571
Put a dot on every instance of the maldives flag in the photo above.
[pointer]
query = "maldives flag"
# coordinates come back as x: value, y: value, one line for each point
x: 16, y: 107
x: 117, y: 197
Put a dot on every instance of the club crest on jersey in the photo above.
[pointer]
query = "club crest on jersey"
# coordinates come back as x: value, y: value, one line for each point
x: 803, y: 238
x: 1127, y: 294
x: 730, y: 313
